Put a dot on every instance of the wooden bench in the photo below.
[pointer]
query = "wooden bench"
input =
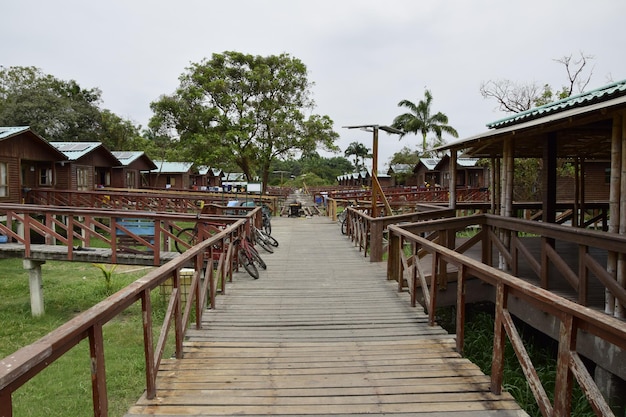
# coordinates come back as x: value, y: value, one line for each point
x: 132, y: 234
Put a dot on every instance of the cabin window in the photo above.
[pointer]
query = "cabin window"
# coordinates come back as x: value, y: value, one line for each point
x: 45, y: 176
x: 4, y: 180
x: 82, y: 179
x: 607, y: 175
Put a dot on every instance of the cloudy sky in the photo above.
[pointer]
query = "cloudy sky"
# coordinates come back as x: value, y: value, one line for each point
x: 364, y: 56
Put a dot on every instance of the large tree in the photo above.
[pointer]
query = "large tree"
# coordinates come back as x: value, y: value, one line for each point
x: 56, y: 109
x: 244, y: 109
x: 420, y: 119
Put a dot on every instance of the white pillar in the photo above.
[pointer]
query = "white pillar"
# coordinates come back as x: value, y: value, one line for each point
x: 36, y: 286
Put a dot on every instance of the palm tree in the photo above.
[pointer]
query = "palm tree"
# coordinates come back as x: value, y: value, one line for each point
x: 419, y: 119
x: 359, y: 151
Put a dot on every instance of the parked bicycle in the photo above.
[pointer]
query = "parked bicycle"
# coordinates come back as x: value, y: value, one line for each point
x: 248, y: 257
x: 190, y: 236
x: 267, y: 242
x: 267, y: 222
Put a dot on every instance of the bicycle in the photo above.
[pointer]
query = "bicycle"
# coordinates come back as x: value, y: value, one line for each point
x: 189, y: 236
x: 248, y: 257
x: 267, y: 223
x: 264, y: 240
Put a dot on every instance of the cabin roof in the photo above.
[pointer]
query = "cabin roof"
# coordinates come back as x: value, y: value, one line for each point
x: 128, y: 157
x: 173, y: 167
x: 76, y: 150
x: 7, y: 132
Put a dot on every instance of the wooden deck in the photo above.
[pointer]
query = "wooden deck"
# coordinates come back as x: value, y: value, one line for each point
x: 322, y: 332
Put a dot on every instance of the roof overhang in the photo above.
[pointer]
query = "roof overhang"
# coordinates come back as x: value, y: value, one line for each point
x: 581, y: 132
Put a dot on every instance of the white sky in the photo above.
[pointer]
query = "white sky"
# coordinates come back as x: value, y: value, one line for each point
x: 364, y: 56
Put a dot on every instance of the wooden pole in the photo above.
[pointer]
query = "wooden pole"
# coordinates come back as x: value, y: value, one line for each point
x: 375, y: 173
x: 453, y: 174
x: 614, y: 204
x: 619, y: 310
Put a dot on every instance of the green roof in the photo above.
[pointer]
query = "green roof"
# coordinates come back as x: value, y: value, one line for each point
x: 601, y: 94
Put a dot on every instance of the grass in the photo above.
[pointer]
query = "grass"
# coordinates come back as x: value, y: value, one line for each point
x: 542, y: 351
x: 64, y: 388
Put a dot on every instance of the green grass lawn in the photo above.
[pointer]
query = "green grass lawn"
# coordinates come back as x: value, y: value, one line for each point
x: 64, y: 388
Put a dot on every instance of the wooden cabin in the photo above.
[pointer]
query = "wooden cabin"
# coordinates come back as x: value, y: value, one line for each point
x: 171, y: 175
x: 90, y: 166
x: 214, y: 178
x: 26, y: 161
x: 129, y: 174
x: 470, y: 173
x: 355, y: 179
x: 426, y: 174
x: 207, y: 179
x: 401, y: 174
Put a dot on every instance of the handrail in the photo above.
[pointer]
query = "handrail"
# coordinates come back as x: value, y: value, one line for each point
x: 367, y: 232
x: 572, y: 317
x: 18, y: 368
x: 60, y: 225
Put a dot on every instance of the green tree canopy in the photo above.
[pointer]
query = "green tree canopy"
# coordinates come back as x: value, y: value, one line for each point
x: 420, y: 119
x: 56, y: 109
x: 244, y: 109
x: 61, y: 110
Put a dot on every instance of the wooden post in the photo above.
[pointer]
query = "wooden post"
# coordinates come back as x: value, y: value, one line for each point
x: 453, y: 174
x: 148, y: 344
x: 619, y: 309
x: 98, y: 372
x: 614, y: 204
x: 549, y: 180
x: 375, y: 190
x: 376, y: 240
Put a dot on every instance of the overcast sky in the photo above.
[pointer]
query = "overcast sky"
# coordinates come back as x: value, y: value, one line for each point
x: 364, y: 56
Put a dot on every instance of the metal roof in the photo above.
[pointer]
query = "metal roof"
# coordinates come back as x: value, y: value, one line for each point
x: 75, y: 150
x: 430, y: 163
x: 603, y: 93
x: 173, y: 167
x: 8, y: 131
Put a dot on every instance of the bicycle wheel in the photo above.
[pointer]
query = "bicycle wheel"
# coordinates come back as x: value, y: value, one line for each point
x: 272, y: 241
x: 248, y: 263
x: 187, y: 236
x: 262, y: 241
x: 344, y: 226
x: 257, y: 259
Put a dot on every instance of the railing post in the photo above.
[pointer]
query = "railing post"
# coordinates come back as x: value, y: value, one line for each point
x: 148, y: 344
x: 499, y: 339
x: 6, y: 403
x: 433, y: 289
x: 393, y: 261
x: 98, y: 372
x: 376, y: 240
x: 460, y: 308
x: 564, y: 378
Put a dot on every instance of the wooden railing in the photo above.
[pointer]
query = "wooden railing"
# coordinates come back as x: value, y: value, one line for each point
x: 368, y: 233
x: 80, y: 228
x: 212, y: 260
x: 573, y: 319
x: 143, y: 200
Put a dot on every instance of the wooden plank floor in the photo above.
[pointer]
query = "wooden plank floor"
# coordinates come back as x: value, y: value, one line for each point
x: 322, y: 332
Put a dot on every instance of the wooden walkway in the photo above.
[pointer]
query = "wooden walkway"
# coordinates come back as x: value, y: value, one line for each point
x: 322, y: 332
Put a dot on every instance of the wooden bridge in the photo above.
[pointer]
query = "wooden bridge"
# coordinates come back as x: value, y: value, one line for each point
x: 322, y: 332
